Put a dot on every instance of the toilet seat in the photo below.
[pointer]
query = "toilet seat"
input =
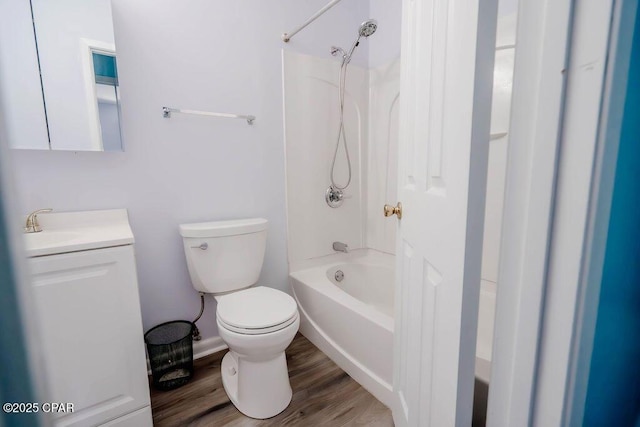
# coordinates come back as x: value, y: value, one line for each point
x: 257, y: 331
x: 256, y: 311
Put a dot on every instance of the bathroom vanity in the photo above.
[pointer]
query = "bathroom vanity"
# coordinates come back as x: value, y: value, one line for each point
x: 88, y: 311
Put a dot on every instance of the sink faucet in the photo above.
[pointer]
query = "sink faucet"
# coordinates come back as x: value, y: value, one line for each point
x: 32, y: 225
x: 340, y: 247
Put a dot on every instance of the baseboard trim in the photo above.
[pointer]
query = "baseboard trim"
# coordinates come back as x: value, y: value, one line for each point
x: 207, y: 346
x: 202, y: 349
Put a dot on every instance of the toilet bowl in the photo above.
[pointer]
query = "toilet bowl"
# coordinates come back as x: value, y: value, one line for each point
x: 224, y: 258
x: 257, y: 324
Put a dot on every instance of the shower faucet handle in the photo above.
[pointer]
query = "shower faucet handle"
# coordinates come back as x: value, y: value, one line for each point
x: 334, y: 197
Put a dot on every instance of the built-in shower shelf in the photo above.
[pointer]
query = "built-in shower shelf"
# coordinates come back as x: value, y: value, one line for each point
x: 497, y: 135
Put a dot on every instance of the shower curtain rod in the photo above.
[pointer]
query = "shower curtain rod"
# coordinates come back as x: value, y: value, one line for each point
x: 287, y: 36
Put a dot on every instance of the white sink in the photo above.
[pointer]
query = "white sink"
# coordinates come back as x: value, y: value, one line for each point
x: 79, y: 231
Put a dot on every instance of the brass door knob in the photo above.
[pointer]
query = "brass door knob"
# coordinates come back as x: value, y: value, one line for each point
x: 393, y: 210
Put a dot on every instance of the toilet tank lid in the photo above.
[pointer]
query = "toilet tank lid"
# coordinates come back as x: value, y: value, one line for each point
x: 223, y: 228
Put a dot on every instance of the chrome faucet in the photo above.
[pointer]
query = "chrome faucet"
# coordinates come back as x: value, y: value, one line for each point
x: 32, y: 225
x: 340, y: 247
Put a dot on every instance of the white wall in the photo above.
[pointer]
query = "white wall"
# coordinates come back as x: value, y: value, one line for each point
x: 203, y: 54
x: 384, y: 45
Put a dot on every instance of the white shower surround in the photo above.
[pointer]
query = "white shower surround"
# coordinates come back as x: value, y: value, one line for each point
x: 382, y: 155
x: 311, y: 126
x: 311, y: 129
x: 364, y: 300
x: 371, y: 123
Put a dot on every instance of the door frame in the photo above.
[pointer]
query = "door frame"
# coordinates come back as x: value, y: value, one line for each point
x: 538, y: 91
x: 558, y: 175
x: 614, y: 100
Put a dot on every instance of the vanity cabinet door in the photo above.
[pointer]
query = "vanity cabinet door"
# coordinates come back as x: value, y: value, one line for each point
x: 91, y: 331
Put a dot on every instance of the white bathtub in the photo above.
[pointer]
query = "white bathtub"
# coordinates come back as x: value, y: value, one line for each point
x: 351, y: 321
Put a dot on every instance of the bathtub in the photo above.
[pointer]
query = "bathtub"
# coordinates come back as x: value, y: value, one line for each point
x: 351, y: 320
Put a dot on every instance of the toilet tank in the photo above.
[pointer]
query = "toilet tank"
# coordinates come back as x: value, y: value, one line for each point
x: 224, y: 256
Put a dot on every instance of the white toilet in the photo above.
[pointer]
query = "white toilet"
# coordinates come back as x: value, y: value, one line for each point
x: 257, y: 323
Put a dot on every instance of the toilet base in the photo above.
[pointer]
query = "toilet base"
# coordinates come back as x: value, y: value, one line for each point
x: 257, y: 389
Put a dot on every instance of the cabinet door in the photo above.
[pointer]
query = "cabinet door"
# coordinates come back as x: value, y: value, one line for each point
x: 89, y: 313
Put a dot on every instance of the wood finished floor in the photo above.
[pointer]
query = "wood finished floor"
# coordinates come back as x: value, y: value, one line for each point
x: 323, y: 395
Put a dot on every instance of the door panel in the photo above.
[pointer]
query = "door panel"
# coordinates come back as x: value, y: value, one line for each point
x: 447, y: 75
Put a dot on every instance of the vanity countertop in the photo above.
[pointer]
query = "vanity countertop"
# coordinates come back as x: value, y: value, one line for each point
x: 79, y: 231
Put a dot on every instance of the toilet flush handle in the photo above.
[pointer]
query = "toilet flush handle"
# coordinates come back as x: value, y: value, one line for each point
x: 203, y: 246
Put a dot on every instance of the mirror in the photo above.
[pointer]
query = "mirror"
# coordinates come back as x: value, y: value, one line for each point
x: 58, y: 75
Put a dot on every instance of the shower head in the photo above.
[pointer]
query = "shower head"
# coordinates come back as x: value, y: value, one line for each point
x: 368, y: 27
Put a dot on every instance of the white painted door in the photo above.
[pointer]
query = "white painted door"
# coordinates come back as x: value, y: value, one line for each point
x: 446, y: 84
x: 89, y: 312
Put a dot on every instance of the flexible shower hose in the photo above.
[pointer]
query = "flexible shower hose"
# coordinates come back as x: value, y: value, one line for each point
x: 341, y: 132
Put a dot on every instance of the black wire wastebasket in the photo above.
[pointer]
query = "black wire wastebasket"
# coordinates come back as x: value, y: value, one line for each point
x: 170, y: 349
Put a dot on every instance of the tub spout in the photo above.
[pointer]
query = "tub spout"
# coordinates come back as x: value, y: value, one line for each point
x: 340, y: 247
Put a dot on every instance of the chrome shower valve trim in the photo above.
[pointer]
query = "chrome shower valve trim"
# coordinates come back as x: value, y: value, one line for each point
x: 334, y: 197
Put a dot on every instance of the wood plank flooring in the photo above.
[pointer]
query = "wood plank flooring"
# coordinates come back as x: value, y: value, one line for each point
x: 323, y: 395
